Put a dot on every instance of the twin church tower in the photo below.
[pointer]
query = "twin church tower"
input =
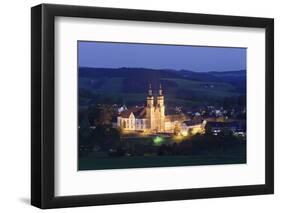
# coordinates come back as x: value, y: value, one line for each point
x: 155, y: 112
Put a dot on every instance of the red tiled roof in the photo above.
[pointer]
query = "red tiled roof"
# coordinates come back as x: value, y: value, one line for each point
x: 193, y: 122
x: 139, y: 112
x: 176, y: 117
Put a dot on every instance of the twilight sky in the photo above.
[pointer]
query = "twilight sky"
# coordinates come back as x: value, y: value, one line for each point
x: 194, y: 58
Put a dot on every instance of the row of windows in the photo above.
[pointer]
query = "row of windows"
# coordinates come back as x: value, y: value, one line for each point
x: 140, y: 124
x: 137, y: 127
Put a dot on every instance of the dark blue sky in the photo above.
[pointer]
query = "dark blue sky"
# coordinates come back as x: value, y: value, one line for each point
x: 195, y: 58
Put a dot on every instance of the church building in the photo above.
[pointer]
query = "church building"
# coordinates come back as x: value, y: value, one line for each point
x: 148, y: 118
x: 152, y: 118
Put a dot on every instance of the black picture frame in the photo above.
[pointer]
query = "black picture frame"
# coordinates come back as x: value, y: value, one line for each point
x: 43, y: 117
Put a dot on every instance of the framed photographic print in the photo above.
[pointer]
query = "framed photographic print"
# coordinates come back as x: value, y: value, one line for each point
x: 139, y: 106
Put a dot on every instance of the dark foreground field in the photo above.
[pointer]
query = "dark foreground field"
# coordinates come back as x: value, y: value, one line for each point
x: 91, y: 162
x: 150, y: 151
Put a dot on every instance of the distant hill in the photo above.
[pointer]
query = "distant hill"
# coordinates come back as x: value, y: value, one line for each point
x: 235, y: 78
x: 182, y: 87
x: 214, y: 76
x: 229, y: 73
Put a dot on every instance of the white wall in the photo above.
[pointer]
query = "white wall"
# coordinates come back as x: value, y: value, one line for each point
x: 15, y: 105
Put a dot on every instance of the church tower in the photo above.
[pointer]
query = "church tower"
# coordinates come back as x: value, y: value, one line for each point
x: 160, y: 109
x: 150, y: 109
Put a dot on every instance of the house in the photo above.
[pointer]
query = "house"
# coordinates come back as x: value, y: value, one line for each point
x: 235, y: 127
x: 192, y: 127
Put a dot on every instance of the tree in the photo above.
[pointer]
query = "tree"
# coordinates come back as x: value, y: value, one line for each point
x: 100, y: 115
x: 107, y: 137
x: 85, y: 136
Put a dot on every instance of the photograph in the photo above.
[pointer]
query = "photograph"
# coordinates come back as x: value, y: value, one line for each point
x: 140, y: 105
x: 160, y: 105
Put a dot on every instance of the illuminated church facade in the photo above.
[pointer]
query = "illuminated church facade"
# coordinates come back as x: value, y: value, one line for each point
x: 152, y: 117
x: 148, y: 118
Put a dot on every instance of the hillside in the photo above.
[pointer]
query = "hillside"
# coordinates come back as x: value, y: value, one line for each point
x: 184, y: 87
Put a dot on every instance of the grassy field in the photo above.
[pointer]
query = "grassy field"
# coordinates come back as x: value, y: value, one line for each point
x: 101, y: 160
x: 91, y: 162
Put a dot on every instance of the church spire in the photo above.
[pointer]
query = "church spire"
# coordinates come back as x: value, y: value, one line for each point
x: 160, y: 90
x: 149, y: 98
x: 150, y: 90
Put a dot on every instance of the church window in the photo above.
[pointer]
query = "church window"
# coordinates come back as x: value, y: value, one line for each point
x: 124, y: 124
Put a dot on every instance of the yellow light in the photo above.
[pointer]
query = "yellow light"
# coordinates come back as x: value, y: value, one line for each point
x: 178, y: 138
x: 184, y: 133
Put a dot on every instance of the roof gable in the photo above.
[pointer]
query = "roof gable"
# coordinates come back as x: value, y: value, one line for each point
x: 138, y: 112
